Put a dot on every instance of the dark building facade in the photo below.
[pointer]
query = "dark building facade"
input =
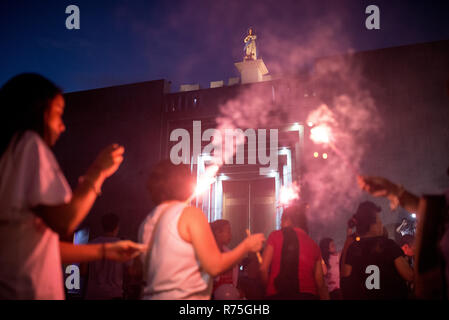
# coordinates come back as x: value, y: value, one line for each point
x: 129, y: 115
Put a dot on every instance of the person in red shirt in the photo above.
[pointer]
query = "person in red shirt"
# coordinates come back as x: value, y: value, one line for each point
x: 291, y: 264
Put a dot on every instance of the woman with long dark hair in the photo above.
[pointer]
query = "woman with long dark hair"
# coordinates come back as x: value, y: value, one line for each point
x: 291, y: 264
x: 37, y: 205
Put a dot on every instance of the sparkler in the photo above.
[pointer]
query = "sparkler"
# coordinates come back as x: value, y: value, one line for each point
x: 321, y: 134
x: 205, y: 181
x: 288, y: 194
x: 259, y: 257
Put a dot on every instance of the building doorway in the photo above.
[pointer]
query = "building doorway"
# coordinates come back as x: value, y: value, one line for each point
x: 249, y: 204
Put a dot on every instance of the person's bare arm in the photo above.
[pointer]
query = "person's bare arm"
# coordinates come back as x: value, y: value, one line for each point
x: 211, y: 259
x: 117, y: 251
x: 403, y: 268
x: 266, y: 262
x: 324, y: 267
x: 65, y: 218
x: 346, y: 270
x: 409, y: 201
x: 319, y: 280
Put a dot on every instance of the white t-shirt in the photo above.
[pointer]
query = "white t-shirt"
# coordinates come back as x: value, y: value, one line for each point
x: 30, y: 261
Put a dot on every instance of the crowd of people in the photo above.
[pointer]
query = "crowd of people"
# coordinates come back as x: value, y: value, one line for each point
x: 180, y: 255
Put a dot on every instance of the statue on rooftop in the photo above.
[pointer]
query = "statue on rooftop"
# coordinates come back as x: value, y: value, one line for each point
x: 250, y: 46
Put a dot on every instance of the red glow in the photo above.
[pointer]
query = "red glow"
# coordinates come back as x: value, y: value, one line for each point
x: 288, y: 194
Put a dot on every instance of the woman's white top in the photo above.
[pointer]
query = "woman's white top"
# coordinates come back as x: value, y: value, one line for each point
x: 174, y: 271
x: 30, y: 261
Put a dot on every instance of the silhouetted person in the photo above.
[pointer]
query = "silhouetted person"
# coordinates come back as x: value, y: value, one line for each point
x: 250, y: 282
x: 375, y: 266
x: 105, y: 278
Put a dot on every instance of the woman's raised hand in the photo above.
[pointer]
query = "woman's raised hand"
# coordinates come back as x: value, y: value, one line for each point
x: 378, y: 186
x: 381, y: 187
x: 109, y: 160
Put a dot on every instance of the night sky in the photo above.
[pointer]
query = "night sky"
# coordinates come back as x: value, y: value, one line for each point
x: 194, y: 41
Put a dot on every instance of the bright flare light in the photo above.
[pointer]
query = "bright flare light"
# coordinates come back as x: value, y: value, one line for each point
x: 206, y: 179
x: 295, y: 127
x: 288, y: 194
x: 316, y: 154
x: 320, y: 134
x: 324, y: 156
